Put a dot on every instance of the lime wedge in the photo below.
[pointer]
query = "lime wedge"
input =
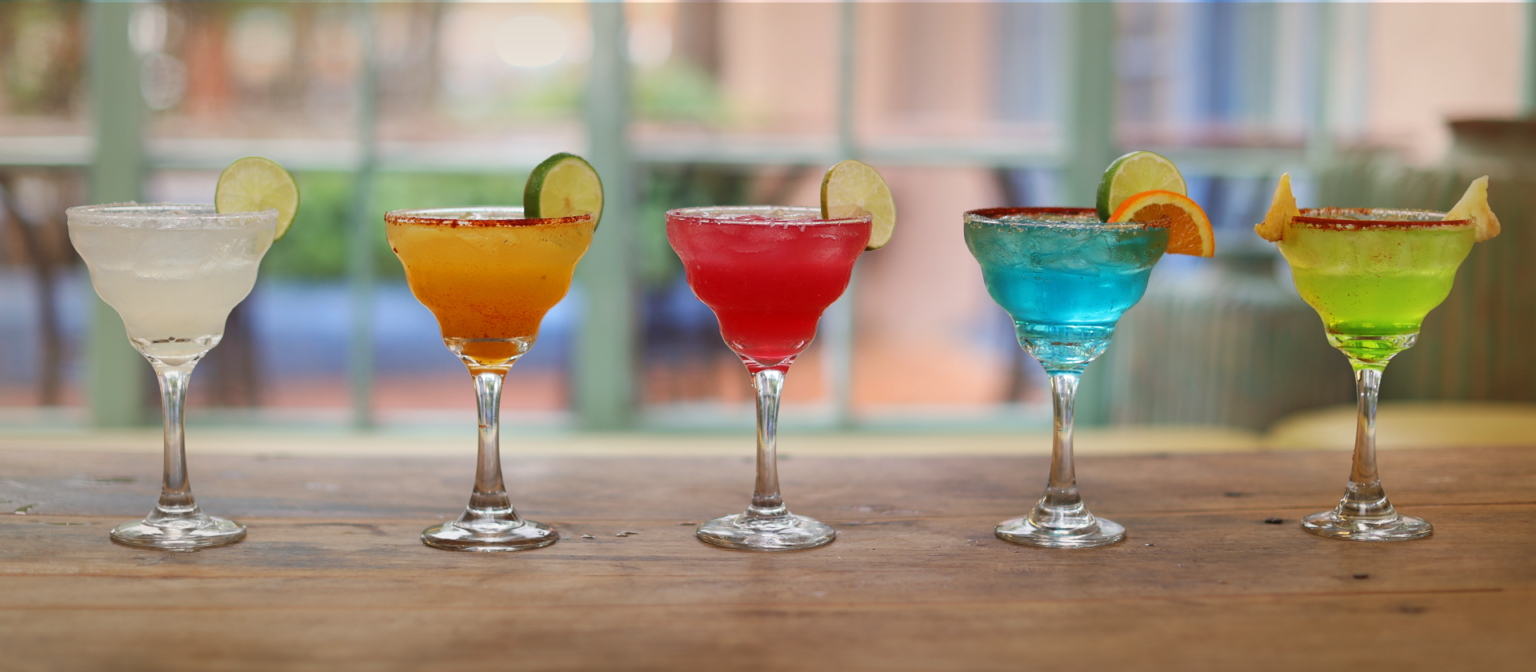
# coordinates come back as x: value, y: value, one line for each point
x: 1134, y: 173
x: 253, y: 184
x: 564, y: 185
x: 852, y: 186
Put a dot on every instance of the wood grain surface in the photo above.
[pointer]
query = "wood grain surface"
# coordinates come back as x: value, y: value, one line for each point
x: 332, y: 576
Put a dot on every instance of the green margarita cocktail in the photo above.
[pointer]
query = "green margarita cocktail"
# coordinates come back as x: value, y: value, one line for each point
x: 1373, y: 274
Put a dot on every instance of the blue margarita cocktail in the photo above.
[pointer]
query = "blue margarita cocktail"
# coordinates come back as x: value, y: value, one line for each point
x: 1065, y: 278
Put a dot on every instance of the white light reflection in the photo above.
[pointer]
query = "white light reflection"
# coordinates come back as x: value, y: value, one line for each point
x: 531, y: 42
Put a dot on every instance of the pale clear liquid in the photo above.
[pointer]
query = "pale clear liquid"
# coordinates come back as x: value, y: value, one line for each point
x: 173, y: 287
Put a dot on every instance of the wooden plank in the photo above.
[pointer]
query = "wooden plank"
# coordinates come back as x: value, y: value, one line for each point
x: 336, y: 579
x: 48, y: 560
x: 1430, y: 632
x: 1214, y: 589
x: 681, y: 489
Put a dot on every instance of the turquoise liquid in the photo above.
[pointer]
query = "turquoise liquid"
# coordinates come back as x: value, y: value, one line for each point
x: 1065, y: 280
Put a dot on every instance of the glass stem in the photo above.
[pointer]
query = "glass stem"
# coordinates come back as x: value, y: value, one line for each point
x: 1062, y: 506
x: 176, y: 499
x: 1062, y: 489
x: 766, y: 500
x: 490, y: 496
x: 1365, y: 498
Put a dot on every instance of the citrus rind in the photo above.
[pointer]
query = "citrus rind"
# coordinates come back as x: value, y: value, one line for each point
x: 254, y: 184
x: 563, y: 185
x: 852, y: 186
x: 1189, y: 229
x: 1135, y: 173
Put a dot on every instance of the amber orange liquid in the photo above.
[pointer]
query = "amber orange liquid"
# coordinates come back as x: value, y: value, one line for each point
x: 491, y: 279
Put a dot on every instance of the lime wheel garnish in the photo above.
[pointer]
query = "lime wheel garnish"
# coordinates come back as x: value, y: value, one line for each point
x: 564, y: 185
x: 852, y: 187
x: 1135, y: 173
x: 254, y: 184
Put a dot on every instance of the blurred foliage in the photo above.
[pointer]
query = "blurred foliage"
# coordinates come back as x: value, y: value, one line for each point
x: 668, y: 187
x: 678, y: 92
x: 675, y: 92
x: 41, y: 57
x: 544, y: 98
x: 316, y: 246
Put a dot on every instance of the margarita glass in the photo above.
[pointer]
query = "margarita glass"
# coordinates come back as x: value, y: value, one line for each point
x: 1065, y: 278
x: 768, y: 273
x: 1372, y: 275
x: 173, y: 272
x: 489, y: 275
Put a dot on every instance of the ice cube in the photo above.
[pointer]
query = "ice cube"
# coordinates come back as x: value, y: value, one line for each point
x: 171, y: 254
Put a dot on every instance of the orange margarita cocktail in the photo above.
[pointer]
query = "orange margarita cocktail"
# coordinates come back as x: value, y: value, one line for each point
x: 489, y: 275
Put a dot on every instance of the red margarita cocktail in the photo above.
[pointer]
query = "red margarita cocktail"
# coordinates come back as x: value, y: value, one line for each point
x: 768, y: 273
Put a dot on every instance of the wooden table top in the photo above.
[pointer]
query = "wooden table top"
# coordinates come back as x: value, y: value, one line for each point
x: 332, y: 576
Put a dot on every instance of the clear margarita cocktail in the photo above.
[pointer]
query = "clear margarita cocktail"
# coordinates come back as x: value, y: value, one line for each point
x: 173, y: 272
x: 768, y: 273
x: 1065, y: 278
x: 489, y: 275
x: 1372, y: 275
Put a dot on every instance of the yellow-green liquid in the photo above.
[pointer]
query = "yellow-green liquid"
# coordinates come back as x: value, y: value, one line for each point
x: 1375, y: 280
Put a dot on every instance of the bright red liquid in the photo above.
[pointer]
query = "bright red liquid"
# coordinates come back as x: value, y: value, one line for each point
x: 767, y: 279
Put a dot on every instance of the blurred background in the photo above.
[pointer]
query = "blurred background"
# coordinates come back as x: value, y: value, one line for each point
x: 377, y: 106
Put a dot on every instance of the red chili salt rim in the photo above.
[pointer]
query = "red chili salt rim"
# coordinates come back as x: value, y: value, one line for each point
x: 1348, y: 219
x: 477, y: 216
x: 1056, y: 217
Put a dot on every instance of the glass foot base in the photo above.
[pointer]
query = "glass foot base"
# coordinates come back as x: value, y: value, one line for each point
x: 490, y: 537
x: 188, y: 533
x: 788, y: 532
x: 1398, y: 527
x: 1026, y: 533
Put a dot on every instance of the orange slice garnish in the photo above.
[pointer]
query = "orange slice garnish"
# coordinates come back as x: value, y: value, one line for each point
x: 1189, y: 231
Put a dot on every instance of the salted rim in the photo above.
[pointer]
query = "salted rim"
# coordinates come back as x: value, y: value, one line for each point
x: 455, y: 217
x: 167, y: 216
x: 721, y: 215
x: 1065, y: 218
x: 1390, y: 218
